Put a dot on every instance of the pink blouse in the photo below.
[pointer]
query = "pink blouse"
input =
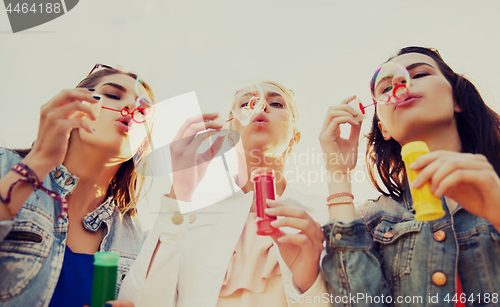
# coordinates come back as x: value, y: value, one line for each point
x: 253, y: 277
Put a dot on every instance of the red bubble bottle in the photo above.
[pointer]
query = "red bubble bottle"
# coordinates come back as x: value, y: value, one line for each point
x: 263, y: 179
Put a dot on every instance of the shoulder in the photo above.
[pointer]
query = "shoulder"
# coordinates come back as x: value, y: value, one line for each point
x: 128, y: 227
x: 384, y: 208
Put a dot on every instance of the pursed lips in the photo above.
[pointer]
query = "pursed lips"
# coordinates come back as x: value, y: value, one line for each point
x: 409, y: 100
x: 124, y: 123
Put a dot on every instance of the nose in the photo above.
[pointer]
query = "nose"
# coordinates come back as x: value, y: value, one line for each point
x: 398, y: 80
x: 130, y: 103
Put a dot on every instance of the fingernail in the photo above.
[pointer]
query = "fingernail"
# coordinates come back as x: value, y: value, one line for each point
x: 269, y: 210
x: 274, y: 223
x: 91, y: 89
x: 413, y: 165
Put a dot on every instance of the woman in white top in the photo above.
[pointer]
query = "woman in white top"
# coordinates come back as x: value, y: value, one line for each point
x: 213, y: 256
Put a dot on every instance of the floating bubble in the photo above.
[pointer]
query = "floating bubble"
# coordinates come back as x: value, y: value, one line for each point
x: 248, y: 102
x: 390, y: 83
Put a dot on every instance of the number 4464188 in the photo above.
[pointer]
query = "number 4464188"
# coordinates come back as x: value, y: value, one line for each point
x: 485, y: 298
x: 35, y: 8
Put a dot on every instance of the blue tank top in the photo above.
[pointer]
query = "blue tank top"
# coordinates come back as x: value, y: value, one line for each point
x: 74, y: 287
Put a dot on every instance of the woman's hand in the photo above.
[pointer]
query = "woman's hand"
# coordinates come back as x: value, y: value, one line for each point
x: 341, y: 154
x: 189, y: 166
x: 469, y: 179
x: 55, y: 127
x: 302, y: 251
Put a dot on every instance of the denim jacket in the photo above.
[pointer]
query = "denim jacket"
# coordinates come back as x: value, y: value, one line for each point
x: 414, y: 262
x: 32, y: 245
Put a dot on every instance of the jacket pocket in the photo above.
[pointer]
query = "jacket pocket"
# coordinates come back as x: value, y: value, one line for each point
x: 22, y: 254
x: 397, y: 243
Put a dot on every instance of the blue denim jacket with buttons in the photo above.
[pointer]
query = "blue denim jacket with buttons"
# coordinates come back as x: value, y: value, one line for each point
x: 32, y: 245
x: 387, y: 252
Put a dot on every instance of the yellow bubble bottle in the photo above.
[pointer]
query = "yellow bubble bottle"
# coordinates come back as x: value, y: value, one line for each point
x: 427, y: 206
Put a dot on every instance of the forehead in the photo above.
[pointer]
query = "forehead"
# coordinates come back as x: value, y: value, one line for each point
x: 269, y: 88
x: 410, y: 58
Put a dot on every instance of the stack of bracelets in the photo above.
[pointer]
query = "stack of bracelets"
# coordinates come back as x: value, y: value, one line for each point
x: 29, y: 176
x: 344, y: 202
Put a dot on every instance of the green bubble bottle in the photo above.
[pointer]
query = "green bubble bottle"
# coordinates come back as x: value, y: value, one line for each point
x: 105, y: 273
x: 427, y: 206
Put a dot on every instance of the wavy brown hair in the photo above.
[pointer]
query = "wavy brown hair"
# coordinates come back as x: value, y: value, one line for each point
x: 127, y: 184
x: 478, y: 127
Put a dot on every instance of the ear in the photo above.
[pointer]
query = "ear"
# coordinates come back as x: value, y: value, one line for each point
x: 384, y: 131
x: 296, y: 137
x: 456, y: 107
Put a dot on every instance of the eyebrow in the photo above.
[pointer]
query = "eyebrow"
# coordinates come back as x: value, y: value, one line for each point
x: 415, y: 65
x: 408, y: 68
x: 117, y: 86
x: 274, y: 94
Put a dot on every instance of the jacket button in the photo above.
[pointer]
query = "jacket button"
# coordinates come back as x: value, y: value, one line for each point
x: 338, y: 237
x: 192, y: 218
x: 439, y: 235
x: 57, y: 173
x: 177, y: 219
x: 439, y: 278
x: 389, y: 234
x: 69, y: 181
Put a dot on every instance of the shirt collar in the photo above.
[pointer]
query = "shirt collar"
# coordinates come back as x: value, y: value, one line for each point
x: 94, y: 219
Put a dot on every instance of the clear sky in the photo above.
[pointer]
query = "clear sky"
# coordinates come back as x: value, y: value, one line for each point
x: 324, y: 51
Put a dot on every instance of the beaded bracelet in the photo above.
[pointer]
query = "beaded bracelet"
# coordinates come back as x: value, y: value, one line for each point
x: 31, y: 177
x: 345, y: 202
x: 339, y: 195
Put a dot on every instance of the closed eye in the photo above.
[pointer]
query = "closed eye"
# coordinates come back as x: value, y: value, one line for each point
x: 420, y: 75
x: 112, y: 96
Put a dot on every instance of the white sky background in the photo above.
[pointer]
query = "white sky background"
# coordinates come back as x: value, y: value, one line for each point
x: 324, y: 51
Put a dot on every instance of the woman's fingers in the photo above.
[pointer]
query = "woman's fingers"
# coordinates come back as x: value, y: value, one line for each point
x: 338, y: 110
x: 305, y: 226
x: 214, y: 149
x: 193, y: 120
x: 70, y: 108
x: 193, y: 129
x: 295, y: 218
x: 444, y: 165
x: 68, y: 95
x: 332, y: 132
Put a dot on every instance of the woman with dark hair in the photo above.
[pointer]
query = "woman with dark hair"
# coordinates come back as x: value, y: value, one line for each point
x: 75, y: 192
x: 386, y: 257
